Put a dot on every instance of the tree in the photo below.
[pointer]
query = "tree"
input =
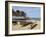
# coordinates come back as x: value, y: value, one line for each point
x: 19, y: 13
x: 13, y: 12
x: 23, y: 13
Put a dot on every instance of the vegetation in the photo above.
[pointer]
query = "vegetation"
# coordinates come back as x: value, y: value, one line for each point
x: 18, y: 13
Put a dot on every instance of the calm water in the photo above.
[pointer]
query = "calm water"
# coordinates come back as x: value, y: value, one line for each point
x: 36, y: 19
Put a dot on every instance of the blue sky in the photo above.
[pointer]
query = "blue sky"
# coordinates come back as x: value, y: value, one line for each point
x: 33, y: 12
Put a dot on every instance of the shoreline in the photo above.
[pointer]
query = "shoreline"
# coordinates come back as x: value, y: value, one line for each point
x: 19, y: 27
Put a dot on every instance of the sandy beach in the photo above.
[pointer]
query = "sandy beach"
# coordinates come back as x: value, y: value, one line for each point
x: 18, y: 26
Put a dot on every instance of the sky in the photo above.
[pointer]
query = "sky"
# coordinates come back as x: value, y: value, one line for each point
x: 33, y: 12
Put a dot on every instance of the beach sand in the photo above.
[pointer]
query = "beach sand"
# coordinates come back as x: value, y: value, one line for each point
x: 21, y: 27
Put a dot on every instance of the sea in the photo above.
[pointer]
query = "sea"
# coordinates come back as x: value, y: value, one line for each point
x: 36, y: 19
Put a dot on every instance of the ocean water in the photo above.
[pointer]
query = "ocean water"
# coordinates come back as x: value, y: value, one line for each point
x: 36, y: 19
